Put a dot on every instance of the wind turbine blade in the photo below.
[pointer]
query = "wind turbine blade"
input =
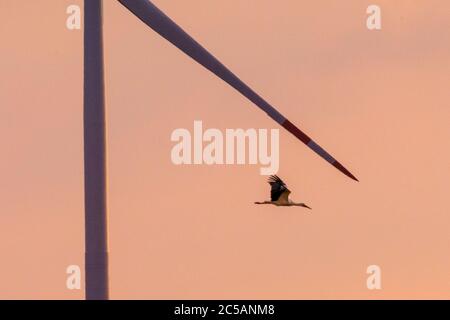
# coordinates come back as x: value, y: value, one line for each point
x: 148, y: 13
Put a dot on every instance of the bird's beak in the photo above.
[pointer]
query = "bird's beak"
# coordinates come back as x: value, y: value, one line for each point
x: 304, y: 205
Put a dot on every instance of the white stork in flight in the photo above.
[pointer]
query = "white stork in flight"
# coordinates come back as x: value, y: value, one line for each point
x: 279, y: 194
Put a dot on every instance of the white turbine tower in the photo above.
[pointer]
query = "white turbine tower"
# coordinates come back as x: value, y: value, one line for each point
x: 96, y: 264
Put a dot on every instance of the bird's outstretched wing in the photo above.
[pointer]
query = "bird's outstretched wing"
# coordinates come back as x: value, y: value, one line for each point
x: 278, y: 188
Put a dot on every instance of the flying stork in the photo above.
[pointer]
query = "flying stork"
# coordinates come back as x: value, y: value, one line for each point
x: 279, y: 194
